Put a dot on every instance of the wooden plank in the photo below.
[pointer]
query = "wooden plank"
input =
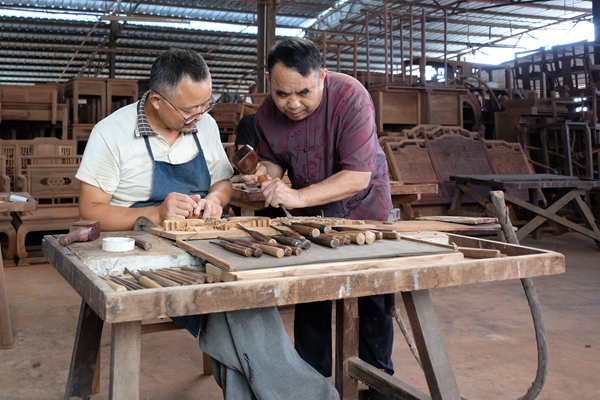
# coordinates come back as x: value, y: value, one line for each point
x: 85, y: 353
x: 125, y: 358
x: 428, y: 338
x: 316, y: 255
x: 385, y: 383
x: 346, y: 346
x: 333, y: 268
x: 460, y: 220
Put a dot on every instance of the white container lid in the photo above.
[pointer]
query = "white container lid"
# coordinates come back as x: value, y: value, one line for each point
x: 117, y: 244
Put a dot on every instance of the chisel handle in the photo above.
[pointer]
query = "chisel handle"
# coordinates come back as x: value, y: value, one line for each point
x: 305, y: 230
x: 326, y: 241
x: 116, y: 287
x: 289, y: 241
x: 234, y: 248
x: 287, y: 250
x: 256, y: 235
x: 323, y: 228
x: 272, y: 250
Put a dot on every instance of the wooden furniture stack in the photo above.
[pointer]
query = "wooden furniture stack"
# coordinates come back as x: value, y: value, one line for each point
x: 92, y: 99
x: 15, y: 157
x: 32, y: 103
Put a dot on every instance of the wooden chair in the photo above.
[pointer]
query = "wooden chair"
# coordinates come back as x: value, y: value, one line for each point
x: 50, y: 180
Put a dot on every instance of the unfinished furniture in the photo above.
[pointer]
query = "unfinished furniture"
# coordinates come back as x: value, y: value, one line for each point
x: 6, y: 206
x: 412, y: 275
x: 29, y: 103
x: 119, y: 93
x: 438, y: 153
x: 41, y: 146
x: 398, y: 107
x: 560, y: 190
x: 51, y: 182
x: 87, y: 99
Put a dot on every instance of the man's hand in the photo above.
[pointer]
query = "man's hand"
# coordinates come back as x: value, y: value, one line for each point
x: 178, y: 206
x: 252, y: 180
x: 208, y: 208
x: 277, y: 193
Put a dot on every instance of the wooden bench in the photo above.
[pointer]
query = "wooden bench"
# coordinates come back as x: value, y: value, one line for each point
x: 41, y: 146
x: 50, y: 180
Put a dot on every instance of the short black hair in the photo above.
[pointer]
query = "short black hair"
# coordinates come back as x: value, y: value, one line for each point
x: 171, y: 66
x: 301, y: 55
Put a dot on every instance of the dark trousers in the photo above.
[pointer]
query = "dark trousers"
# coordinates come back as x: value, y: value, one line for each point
x: 312, y: 334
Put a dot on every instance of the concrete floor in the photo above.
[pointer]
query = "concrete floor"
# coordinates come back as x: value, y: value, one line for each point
x: 487, y: 329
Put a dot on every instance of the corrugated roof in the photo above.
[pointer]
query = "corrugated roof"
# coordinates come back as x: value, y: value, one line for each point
x: 46, y: 49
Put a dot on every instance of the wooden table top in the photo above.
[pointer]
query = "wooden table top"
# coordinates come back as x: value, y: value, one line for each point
x: 15, y: 206
x: 526, y: 181
x: 375, y: 276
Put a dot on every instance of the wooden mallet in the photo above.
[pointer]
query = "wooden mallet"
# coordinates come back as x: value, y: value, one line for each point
x: 81, y: 231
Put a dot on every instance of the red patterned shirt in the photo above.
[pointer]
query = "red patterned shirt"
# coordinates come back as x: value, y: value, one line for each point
x: 339, y: 135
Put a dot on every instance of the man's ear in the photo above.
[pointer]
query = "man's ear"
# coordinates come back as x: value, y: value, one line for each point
x: 268, y: 77
x: 154, y: 99
x: 323, y: 74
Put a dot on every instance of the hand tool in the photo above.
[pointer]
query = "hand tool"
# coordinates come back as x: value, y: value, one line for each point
x: 323, y: 228
x: 257, y: 235
x: 287, y: 250
x: 271, y: 249
x: 303, y: 229
x: 143, y: 280
x: 256, y: 250
x: 234, y: 248
x: 116, y: 287
x: 343, y: 238
x: 192, y: 272
x: 128, y: 283
x: 355, y: 237
x: 81, y: 231
x: 370, y: 234
x: 289, y: 241
x: 245, y: 160
x: 143, y: 224
x: 192, y: 280
x: 141, y: 243
x: 158, y: 279
x: 326, y: 241
x: 293, y: 234
x: 164, y: 275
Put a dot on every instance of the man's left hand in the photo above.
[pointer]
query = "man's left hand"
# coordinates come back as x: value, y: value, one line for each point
x: 207, y: 208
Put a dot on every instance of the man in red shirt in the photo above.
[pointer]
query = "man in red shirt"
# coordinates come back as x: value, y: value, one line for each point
x: 319, y: 126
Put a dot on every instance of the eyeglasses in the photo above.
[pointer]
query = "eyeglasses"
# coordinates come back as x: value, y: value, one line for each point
x: 194, y: 117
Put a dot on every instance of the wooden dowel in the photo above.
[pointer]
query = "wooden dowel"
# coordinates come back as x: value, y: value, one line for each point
x: 115, y: 286
x: 159, y: 279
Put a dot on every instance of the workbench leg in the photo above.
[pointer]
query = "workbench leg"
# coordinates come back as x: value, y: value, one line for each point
x: 85, y: 352
x: 428, y: 338
x: 346, y: 331
x: 6, y: 337
x: 126, y: 339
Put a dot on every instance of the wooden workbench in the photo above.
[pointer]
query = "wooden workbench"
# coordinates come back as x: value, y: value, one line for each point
x: 126, y: 310
x: 562, y: 190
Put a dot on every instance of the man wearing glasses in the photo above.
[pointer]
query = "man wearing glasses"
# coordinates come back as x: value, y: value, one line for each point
x: 162, y: 158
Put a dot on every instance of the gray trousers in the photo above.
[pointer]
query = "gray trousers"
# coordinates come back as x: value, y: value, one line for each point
x: 253, y: 358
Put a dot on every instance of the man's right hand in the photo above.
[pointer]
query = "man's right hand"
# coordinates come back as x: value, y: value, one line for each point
x: 177, y: 206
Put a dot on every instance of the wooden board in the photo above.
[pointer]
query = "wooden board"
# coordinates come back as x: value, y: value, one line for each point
x: 333, y: 268
x: 459, y: 220
x: 319, y: 254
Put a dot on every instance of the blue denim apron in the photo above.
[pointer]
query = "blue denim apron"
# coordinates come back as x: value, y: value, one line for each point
x: 191, y: 177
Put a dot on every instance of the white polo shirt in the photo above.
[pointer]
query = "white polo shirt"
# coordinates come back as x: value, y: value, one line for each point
x: 116, y: 159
